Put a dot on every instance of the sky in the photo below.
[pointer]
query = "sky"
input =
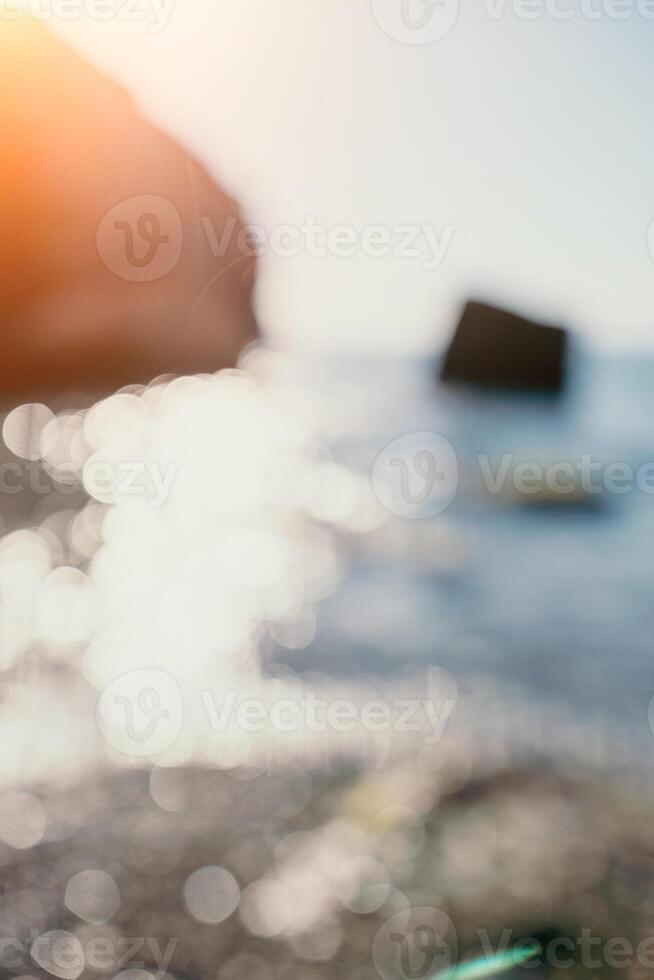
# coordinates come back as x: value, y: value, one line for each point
x: 516, y: 147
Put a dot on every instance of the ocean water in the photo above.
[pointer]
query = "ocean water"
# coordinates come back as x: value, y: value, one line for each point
x: 118, y: 611
x: 552, y: 602
x: 273, y: 563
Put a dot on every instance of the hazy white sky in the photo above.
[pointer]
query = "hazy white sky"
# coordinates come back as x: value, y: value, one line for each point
x: 531, y: 140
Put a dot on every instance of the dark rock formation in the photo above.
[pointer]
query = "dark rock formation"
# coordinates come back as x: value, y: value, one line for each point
x: 107, y: 271
x: 495, y: 348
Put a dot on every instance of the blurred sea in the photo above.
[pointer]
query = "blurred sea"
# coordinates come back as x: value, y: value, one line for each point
x: 270, y: 552
x: 272, y: 557
x: 553, y: 602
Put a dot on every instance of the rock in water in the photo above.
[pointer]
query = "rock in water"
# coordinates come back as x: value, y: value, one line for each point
x: 494, y: 348
x: 120, y: 257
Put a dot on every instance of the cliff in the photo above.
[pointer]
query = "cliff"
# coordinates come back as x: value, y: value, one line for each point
x: 108, y: 233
